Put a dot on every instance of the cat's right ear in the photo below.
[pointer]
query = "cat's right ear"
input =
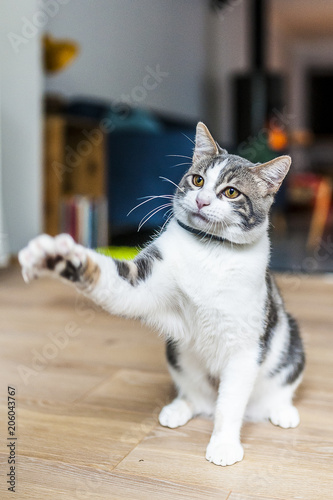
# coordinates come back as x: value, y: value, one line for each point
x: 204, y: 143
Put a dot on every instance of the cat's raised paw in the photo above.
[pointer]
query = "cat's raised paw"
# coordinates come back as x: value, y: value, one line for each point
x: 46, y: 255
x: 286, y: 417
x: 224, y: 453
x: 175, y: 414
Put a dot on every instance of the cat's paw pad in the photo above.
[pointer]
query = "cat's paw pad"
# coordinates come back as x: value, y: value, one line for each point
x: 286, y: 417
x: 45, y: 254
x: 175, y: 414
x: 224, y: 453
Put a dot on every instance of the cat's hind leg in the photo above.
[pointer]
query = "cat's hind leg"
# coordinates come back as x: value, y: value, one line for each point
x: 279, y: 377
x: 273, y: 401
x: 285, y: 416
x: 196, y: 391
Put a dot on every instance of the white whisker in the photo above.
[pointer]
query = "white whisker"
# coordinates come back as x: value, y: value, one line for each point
x: 151, y: 214
x: 180, y: 156
x: 157, y: 196
x: 170, y: 210
x: 210, y: 231
x: 188, y: 138
x: 156, y: 208
x: 150, y: 198
x: 168, y: 180
x: 165, y: 223
x: 179, y: 164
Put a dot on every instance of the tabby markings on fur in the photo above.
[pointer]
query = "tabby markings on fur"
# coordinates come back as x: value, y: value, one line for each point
x: 233, y: 351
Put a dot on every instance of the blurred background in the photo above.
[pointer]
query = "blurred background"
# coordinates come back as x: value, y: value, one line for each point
x: 100, y: 98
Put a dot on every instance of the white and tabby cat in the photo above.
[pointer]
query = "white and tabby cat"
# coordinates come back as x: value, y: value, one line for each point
x: 203, y: 283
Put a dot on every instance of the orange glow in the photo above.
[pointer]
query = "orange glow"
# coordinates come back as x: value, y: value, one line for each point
x: 277, y: 138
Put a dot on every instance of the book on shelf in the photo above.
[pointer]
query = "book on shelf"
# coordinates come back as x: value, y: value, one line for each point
x: 85, y: 218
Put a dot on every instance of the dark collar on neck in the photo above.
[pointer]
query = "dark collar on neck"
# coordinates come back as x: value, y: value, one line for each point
x: 202, y: 234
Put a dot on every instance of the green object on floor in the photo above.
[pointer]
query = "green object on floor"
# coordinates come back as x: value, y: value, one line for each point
x: 121, y: 253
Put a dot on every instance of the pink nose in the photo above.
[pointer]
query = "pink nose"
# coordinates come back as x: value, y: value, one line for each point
x: 202, y: 203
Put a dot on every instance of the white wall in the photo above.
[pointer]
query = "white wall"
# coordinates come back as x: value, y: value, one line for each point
x: 20, y: 106
x: 120, y: 38
x: 226, y: 54
x: 4, y: 256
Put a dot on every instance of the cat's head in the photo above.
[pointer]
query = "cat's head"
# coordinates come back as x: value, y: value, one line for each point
x: 225, y: 195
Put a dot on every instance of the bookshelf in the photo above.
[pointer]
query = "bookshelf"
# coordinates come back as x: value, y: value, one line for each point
x: 75, y: 179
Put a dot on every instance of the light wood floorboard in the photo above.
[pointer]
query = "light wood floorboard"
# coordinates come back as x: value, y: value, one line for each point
x: 89, y: 389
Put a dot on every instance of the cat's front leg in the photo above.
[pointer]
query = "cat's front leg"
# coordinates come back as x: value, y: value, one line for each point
x: 235, y: 388
x: 124, y: 288
x: 58, y: 257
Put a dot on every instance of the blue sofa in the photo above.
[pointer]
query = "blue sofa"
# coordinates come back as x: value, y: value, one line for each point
x: 138, y: 154
x: 137, y: 161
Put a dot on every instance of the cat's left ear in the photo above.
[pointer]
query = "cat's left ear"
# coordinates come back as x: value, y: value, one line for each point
x: 204, y: 143
x: 273, y: 172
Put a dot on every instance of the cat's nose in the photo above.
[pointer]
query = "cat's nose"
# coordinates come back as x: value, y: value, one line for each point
x: 202, y: 202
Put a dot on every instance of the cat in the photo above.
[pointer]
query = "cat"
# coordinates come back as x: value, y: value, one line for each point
x: 233, y: 351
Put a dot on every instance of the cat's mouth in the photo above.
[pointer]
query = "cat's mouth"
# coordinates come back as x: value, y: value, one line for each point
x: 199, y: 216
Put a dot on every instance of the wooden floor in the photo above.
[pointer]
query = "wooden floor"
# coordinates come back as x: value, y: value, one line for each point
x: 89, y: 388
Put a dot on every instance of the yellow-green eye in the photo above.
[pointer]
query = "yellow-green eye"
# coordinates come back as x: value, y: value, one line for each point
x: 231, y: 193
x: 198, y: 180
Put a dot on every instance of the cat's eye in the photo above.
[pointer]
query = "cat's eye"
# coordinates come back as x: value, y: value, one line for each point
x: 198, y: 181
x: 231, y: 193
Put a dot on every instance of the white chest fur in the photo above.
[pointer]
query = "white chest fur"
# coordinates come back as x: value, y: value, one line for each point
x: 217, y: 295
